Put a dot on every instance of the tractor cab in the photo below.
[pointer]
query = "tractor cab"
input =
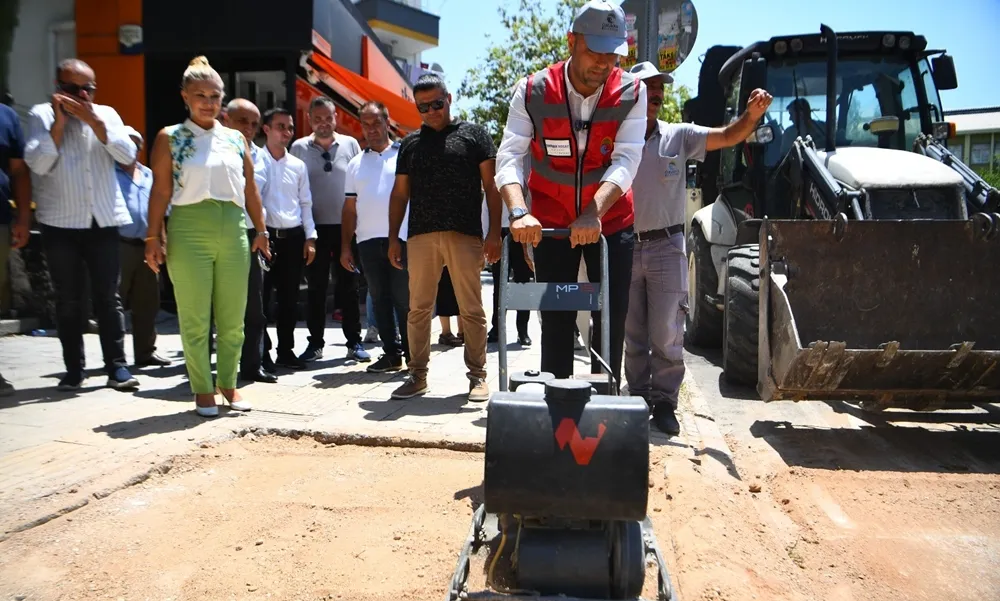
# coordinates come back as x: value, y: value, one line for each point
x: 883, y: 94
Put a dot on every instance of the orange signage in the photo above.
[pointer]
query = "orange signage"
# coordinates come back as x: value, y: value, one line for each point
x: 377, y: 68
x: 320, y: 43
x: 567, y: 434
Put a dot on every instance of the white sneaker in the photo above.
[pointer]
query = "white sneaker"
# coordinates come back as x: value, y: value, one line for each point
x: 372, y: 336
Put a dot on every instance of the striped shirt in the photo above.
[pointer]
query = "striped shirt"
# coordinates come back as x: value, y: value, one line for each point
x: 75, y: 184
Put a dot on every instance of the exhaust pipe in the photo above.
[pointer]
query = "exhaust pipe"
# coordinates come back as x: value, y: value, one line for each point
x: 831, y: 86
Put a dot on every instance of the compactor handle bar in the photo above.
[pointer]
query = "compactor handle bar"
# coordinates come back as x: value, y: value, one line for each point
x: 542, y: 296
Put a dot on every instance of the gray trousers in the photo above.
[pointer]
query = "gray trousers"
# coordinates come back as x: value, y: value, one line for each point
x: 654, y: 327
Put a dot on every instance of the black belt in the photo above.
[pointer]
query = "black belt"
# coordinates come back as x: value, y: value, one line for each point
x: 657, y: 234
x: 278, y: 234
x: 132, y: 241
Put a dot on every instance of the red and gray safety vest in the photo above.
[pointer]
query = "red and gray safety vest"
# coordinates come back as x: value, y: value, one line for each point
x: 562, y: 182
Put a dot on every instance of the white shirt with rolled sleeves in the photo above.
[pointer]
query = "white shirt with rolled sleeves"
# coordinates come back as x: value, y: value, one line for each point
x: 369, y: 178
x: 287, y: 198
x: 74, y: 184
x: 659, y: 188
x: 520, y: 129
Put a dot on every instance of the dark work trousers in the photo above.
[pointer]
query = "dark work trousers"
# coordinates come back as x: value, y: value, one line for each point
x: 140, y: 293
x: 556, y: 261
x: 345, y: 286
x: 254, y: 321
x: 522, y: 274
x: 286, y: 273
x: 390, y: 290
x: 73, y: 254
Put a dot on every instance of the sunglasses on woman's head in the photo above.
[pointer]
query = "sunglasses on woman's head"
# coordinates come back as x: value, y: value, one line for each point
x: 328, y: 166
x: 436, y: 105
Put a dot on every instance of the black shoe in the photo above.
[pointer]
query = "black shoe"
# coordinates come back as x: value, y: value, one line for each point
x: 266, y: 364
x: 492, y: 337
x: 386, y: 363
x: 261, y: 376
x: 71, y: 381
x: 312, y: 354
x: 291, y: 362
x: 153, y: 360
x: 665, y: 420
x: 524, y: 340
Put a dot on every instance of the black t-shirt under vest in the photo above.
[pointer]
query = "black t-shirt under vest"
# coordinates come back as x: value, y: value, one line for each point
x: 446, y: 189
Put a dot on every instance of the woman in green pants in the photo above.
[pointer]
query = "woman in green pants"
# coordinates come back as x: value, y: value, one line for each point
x: 205, y: 172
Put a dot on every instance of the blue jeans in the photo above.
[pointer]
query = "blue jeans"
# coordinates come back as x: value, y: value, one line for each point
x: 654, y: 328
x: 389, y: 290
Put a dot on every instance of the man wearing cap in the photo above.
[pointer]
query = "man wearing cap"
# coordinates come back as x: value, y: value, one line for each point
x: 139, y: 287
x: 582, y: 120
x: 654, y: 328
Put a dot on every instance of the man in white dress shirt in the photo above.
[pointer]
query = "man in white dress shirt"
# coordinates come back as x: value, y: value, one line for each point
x: 583, y: 122
x: 244, y: 116
x: 72, y: 147
x: 289, y: 218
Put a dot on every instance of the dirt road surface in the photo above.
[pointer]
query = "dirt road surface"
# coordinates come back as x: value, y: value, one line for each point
x: 274, y: 518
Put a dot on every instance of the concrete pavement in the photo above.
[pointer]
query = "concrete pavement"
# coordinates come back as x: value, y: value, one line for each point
x: 61, y: 450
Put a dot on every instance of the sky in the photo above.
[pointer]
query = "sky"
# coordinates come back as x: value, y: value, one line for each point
x: 965, y: 28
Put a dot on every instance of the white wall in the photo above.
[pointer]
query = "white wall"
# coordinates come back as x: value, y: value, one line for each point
x: 38, y: 47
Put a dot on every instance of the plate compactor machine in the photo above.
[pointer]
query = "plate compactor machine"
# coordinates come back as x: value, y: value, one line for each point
x: 566, y: 479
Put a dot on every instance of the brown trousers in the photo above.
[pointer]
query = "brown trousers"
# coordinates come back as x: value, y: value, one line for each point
x: 426, y: 256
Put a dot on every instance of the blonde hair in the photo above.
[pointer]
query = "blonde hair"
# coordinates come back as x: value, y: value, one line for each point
x: 199, y: 70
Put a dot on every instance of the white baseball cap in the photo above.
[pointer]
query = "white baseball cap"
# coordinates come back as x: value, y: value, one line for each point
x: 647, y: 70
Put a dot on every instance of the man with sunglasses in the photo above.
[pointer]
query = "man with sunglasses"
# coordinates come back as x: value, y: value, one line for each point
x: 326, y: 154
x: 441, y: 172
x: 72, y: 147
x: 654, y: 328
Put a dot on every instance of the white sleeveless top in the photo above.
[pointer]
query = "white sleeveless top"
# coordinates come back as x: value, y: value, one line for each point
x: 207, y: 164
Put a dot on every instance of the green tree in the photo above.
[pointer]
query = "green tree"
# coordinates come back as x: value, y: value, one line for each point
x: 533, y: 40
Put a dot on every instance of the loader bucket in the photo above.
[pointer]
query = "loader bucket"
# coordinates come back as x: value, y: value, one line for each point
x: 889, y: 313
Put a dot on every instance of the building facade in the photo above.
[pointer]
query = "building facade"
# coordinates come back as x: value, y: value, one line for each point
x: 275, y: 54
x: 977, y: 139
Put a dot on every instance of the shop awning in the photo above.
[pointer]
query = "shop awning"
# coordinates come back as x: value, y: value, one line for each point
x: 401, y: 111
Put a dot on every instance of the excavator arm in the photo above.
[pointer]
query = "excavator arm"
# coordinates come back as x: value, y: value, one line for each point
x: 980, y: 196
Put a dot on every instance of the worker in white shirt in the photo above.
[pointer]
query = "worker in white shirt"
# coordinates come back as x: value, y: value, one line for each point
x: 367, y: 186
x: 289, y: 218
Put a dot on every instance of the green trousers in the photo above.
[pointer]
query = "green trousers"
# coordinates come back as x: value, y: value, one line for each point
x: 208, y: 256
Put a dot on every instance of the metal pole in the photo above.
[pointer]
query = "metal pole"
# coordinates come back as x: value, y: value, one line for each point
x: 502, y: 312
x: 649, y: 34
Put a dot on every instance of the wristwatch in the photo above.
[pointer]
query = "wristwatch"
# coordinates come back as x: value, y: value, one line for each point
x: 518, y: 213
x: 264, y: 233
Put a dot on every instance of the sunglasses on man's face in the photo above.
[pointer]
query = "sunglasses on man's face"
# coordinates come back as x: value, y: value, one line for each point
x: 328, y: 166
x: 436, y: 105
x: 74, y: 89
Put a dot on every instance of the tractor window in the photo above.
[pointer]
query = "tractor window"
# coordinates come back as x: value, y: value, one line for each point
x: 867, y: 89
x: 729, y: 156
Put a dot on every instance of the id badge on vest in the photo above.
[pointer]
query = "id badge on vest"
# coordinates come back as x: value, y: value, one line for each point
x: 558, y: 148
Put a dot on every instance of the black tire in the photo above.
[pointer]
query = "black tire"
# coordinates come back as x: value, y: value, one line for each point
x: 703, y: 327
x: 740, y: 335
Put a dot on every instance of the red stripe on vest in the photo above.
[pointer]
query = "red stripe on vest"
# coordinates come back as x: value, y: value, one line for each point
x: 552, y: 203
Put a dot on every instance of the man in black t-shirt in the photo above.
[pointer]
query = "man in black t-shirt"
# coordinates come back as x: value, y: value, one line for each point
x: 441, y: 172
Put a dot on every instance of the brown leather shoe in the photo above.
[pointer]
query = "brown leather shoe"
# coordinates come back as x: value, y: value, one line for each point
x: 411, y: 388
x: 479, y: 392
